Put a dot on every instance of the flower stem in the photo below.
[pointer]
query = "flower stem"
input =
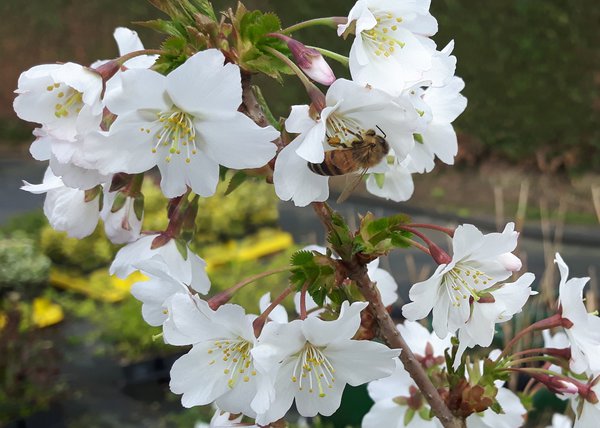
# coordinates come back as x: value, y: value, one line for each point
x: 124, y: 58
x: 303, y: 301
x: 315, y: 93
x: 448, y: 231
x: 344, y: 60
x: 259, y: 322
x: 332, y: 21
x: 553, y: 321
x: 545, y: 358
x: 224, y: 296
x: 417, y: 245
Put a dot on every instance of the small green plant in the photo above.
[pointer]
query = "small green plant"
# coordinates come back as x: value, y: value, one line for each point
x: 22, y: 267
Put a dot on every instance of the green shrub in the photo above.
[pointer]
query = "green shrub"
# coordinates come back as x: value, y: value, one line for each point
x: 28, y: 370
x: 22, y: 267
x: 83, y: 254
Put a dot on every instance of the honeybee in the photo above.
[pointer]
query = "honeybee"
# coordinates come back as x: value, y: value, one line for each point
x: 366, y: 151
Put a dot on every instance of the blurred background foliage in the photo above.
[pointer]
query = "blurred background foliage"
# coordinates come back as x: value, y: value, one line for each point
x: 532, y: 67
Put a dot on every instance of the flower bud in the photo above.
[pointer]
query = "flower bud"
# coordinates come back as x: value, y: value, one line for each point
x: 311, y: 62
x: 440, y: 256
x: 510, y: 262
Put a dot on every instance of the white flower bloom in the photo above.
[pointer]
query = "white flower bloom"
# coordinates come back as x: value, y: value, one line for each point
x: 480, y: 328
x: 557, y: 341
x: 584, y: 333
x: 386, y: 283
x: 393, y: 397
x: 560, y: 421
x: 421, y: 341
x: 123, y: 225
x: 439, y: 138
x: 65, y: 208
x: 63, y: 98
x: 391, y: 46
x: 128, y: 41
x: 312, y: 361
x: 394, y: 183
x: 157, y: 290
x: 350, y: 111
x: 220, y: 366
x: 513, y: 416
x: 587, y: 413
x: 187, y: 123
x: 224, y: 419
x: 190, y: 271
x: 475, y: 266
x: 443, y: 66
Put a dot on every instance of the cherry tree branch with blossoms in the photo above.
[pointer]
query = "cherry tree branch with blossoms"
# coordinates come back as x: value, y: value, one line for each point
x: 191, y: 110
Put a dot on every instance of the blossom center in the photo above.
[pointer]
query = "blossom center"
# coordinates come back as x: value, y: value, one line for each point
x: 235, y: 357
x: 313, y: 369
x: 176, y: 135
x: 382, y: 38
x: 464, y: 281
x: 68, y: 100
x: 342, y: 131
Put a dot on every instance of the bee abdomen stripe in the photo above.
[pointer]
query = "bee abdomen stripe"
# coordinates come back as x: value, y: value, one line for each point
x: 324, y: 169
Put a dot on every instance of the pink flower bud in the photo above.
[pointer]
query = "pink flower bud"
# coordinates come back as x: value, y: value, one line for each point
x: 440, y: 256
x: 510, y: 262
x: 309, y: 60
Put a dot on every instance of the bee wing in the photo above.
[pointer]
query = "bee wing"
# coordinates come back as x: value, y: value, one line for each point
x: 349, y: 188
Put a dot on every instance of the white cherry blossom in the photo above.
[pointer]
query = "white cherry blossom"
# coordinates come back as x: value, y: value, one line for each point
x: 220, y: 367
x: 155, y: 292
x: 312, y: 361
x: 190, y: 270
x: 439, y: 140
x: 560, y: 421
x: 475, y: 266
x: 391, y: 47
x: 123, y: 225
x: 67, y: 210
x: 395, y: 182
x: 506, y: 301
x: 586, y: 412
x: 421, y: 341
x: 394, y: 396
x: 187, y: 123
x: 63, y: 98
x: 584, y: 333
x: 350, y: 111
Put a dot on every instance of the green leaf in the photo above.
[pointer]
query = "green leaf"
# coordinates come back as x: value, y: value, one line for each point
x: 138, y: 206
x: 418, y: 138
x: 236, y: 181
x: 377, y: 237
x: 408, y: 416
x: 161, y: 26
x: 182, y: 248
x: 119, y: 202
x: 254, y: 25
x: 379, y: 179
x: 302, y: 257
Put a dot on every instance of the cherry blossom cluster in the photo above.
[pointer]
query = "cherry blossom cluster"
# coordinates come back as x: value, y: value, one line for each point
x: 190, y: 111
